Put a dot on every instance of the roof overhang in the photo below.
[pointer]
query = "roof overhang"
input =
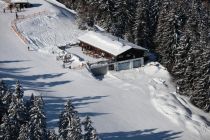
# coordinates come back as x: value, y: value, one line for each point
x: 108, y: 43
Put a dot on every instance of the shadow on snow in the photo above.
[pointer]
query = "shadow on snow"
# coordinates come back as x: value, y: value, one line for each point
x: 147, y: 134
x: 29, y: 82
x: 54, y: 106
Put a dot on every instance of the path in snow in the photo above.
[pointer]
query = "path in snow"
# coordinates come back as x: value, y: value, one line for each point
x: 120, y: 104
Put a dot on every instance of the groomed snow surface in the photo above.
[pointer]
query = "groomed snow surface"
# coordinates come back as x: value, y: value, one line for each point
x: 127, y: 105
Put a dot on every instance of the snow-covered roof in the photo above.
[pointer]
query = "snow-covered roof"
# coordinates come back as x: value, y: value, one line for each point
x: 19, y: 1
x: 108, y: 42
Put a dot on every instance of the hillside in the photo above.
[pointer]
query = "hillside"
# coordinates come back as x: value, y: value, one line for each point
x: 127, y: 105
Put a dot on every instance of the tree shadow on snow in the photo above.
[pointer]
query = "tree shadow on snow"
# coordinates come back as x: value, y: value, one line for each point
x: 29, y: 82
x: 54, y: 106
x: 35, y: 5
x: 12, y: 61
x: 147, y: 134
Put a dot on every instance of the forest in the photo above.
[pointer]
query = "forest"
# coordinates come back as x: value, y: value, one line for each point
x: 176, y: 31
x: 25, y: 119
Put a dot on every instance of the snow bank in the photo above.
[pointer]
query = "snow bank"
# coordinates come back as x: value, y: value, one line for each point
x: 164, y: 98
x: 171, y: 104
x: 76, y: 62
x: 2, y: 4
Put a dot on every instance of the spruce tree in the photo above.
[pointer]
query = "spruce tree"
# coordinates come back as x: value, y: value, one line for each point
x: 37, y: 120
x: 18, y: 90
x: 3, y: 106
x: 166, y: 34
x: 69, y: 123
x: 141, y: 28
x: 200, y: 53
x: 90, y: 132
x: 24, y: 133
x: 51, y: 135
x: 122, y: 18
x: 8, y: 129
x: 104, y: 13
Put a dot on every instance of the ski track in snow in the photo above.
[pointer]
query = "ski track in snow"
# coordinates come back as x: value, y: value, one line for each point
x: 131, y: 103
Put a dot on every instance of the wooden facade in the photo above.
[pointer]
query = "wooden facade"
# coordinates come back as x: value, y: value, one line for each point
x: 94, y: 51
x: 130, y: 54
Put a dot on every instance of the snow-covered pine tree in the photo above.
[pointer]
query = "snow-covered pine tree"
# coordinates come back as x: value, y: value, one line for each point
x: 51, y: 135
x: 75, y: 132
x: 94, y: 135
x: 130, y: 22
x: 69, y: 123
x: 92, y: 12
x: 191, y: 67
x: 30, y: 102
x: 90, y: 132
x: 200, y: 52
x: 17, y: 111
x: 2, y: 110
x: 24, y: 133
x: 166, y: 35
x: 17, y: 115
x: 37, y: 120
x: 104, y: 13
x: 7, y: 98
x: 146, y: 19
x: 18, y: 90
x: 3, y: 107
x: 3, y: 86
x: 8, y: 129
x: 121, y: 18
x: 182, y: 45
x: 154, y: 9
x: 141, y: 27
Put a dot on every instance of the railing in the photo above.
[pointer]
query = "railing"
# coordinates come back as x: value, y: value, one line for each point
x: 128, y: 64
x: 100, y: 69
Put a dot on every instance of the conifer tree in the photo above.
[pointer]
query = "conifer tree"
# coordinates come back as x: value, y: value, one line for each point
x: 69, y: 123
x: 121, y: 13
x: 104, y: 13
x: 3, y: 107
x: 141, y: 28
x: 200, y: 55
x: 30, y: 102
x: 8, y: 129
x: 51, y: 135
x: 17, y: 111
x: 24, y: 133
x: 166, y: 35
x: 90, y: 132
x: 18, y: 90
x: 37, y: 120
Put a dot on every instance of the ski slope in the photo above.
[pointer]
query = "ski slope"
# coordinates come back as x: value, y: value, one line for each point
x: 126, y: 105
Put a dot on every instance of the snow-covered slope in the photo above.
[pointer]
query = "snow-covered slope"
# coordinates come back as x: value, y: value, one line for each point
x: 127, y: 105
x: 48, y: 30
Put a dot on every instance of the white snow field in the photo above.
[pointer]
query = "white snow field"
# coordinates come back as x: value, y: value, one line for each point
x: 138, y: 104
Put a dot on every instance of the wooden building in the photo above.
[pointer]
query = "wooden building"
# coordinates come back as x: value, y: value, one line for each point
x: 110, y: 47
x: 20, y: 3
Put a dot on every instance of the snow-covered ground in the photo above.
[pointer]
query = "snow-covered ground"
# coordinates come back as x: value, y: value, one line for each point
x: 126, y: 105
